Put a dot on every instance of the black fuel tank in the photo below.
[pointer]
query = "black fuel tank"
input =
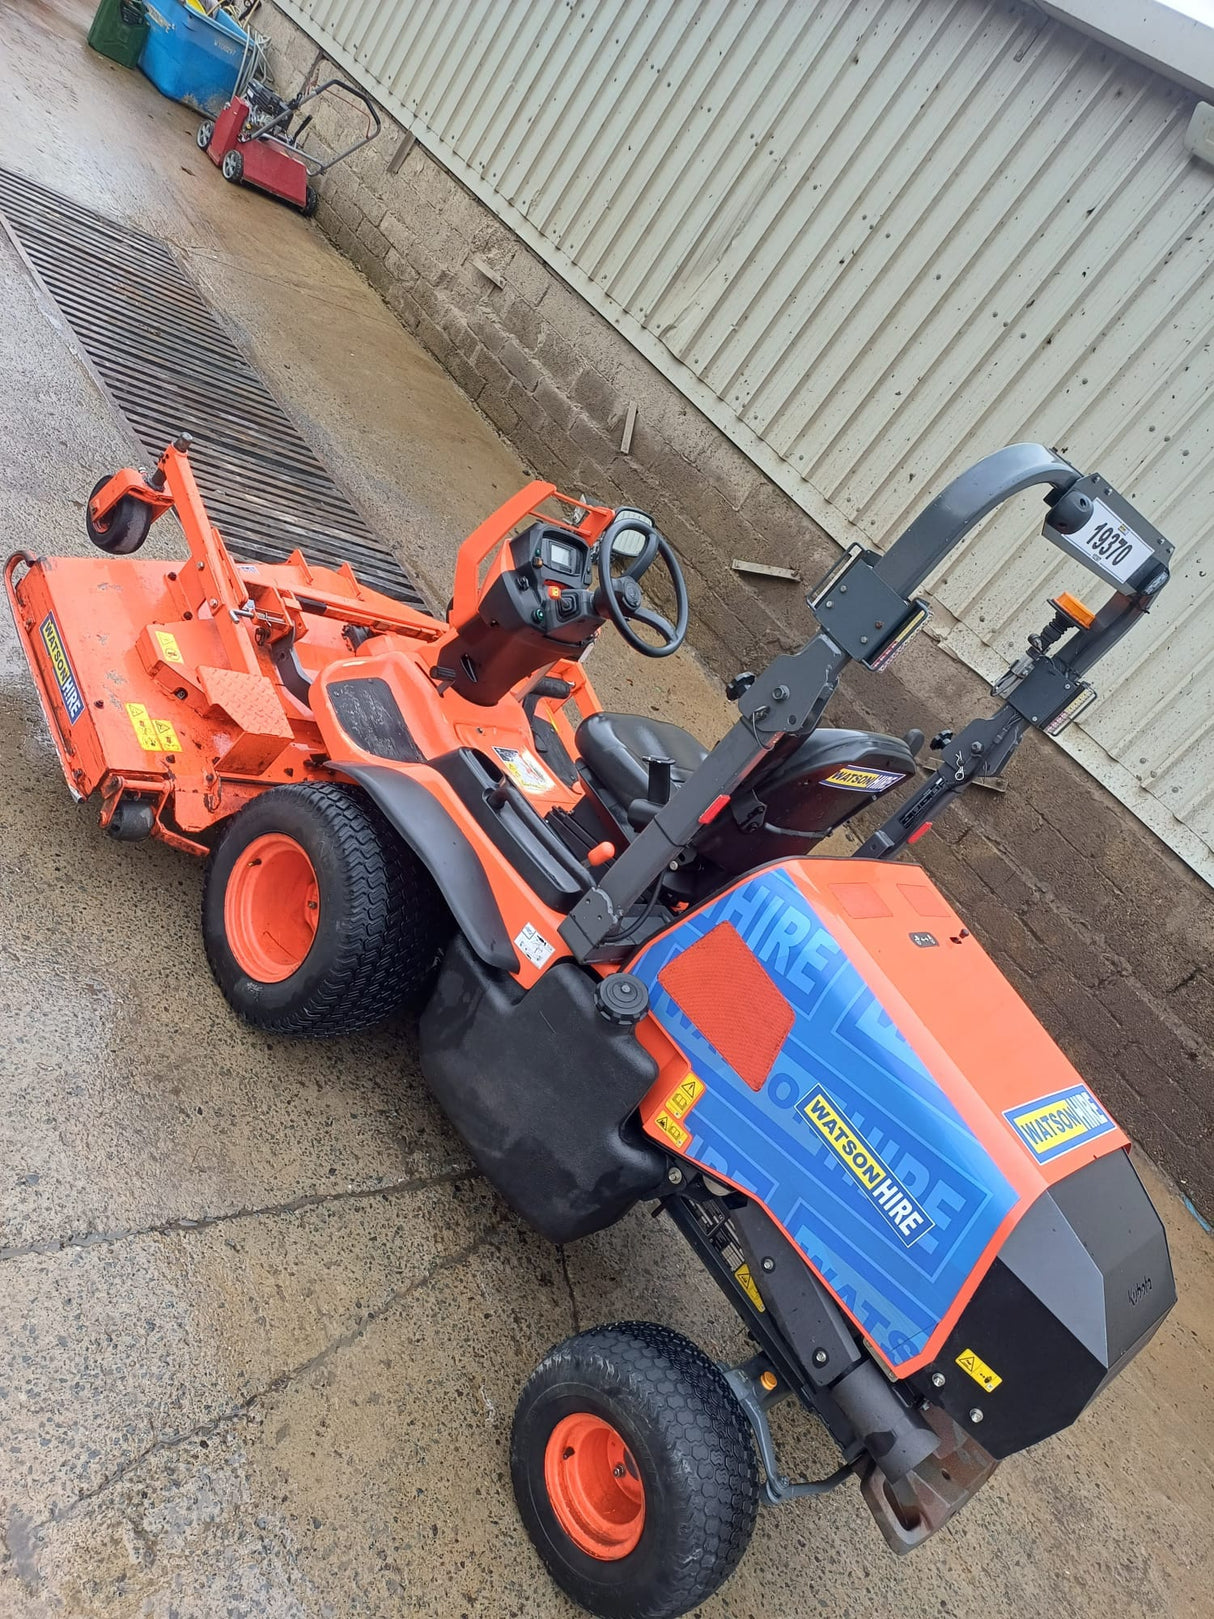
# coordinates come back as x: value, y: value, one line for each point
x: 1079, y: 1287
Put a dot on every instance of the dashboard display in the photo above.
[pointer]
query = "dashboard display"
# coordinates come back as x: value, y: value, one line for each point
x: 564, y: 558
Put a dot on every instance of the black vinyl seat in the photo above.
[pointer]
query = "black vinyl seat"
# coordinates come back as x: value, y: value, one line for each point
x: 615, y: 750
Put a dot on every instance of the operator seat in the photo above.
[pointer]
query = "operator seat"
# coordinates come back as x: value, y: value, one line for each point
x: 807, y: 787
x: 615, y: 751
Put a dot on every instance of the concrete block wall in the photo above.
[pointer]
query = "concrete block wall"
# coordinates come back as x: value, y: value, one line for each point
x: 1107, y: 935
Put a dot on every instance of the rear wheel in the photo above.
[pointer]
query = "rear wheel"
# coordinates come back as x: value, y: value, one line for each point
x: 232, y: 166
x: 205, y: 131
x: 317, y: 918
x: 311, y: 202
x: 124, y: 527
x: 634, y: 1471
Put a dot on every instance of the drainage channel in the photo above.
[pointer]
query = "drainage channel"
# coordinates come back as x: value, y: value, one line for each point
x: 168, y: 364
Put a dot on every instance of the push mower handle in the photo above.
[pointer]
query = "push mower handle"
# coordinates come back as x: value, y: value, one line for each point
x: 292, y: 107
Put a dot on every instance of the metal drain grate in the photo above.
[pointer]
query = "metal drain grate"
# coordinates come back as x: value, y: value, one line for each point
x: 168, y: 364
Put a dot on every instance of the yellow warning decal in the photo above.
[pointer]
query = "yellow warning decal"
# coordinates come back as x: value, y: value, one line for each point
x: 685, y: 1096
x: 169, y: 650
x: 747, y: 1283
x: 979, y: 1370
x: 672, y: 1128
x: 154, y: 736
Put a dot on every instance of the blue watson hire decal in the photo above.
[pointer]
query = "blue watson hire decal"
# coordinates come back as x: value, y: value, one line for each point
x: 851, y: 1144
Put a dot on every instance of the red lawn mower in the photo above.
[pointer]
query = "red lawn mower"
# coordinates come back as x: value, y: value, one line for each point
x: 256, y: 141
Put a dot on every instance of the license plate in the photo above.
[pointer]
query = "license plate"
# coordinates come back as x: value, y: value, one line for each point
x: 1111, y: 544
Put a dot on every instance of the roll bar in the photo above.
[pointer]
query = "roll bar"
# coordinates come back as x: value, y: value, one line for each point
x: 867, y: 611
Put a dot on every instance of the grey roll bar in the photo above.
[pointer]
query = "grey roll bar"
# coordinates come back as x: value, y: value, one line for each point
x: 868, y: 608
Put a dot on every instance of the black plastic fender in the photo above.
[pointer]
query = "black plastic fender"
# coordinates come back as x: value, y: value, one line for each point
x: 445, y: 852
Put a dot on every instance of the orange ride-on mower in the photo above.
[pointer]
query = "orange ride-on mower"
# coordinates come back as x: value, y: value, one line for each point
x: 637, y: 982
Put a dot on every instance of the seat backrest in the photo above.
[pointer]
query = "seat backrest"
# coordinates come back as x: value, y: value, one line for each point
x: 803, y: 794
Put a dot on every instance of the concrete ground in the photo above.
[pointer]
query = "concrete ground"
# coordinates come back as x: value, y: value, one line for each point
x: 261, y: 1328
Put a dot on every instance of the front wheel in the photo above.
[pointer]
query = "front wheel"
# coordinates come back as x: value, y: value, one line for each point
x: 634, y: 1471
x: 232, y: 167
x: 317, y: 918
x: 203, y: 137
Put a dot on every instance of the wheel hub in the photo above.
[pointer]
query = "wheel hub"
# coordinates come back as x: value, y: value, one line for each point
x: 271, y: 908
x: 594, y: 1486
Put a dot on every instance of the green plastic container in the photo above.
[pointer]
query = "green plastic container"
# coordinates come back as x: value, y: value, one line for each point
x: 120, y: 30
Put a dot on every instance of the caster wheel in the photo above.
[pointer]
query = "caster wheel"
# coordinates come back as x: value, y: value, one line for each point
x: 317, y: 918
x: 627, y: 1442
x: 232, y: 166
x: 123, y: 529
x: 311, y: 201
x: 205, y: 131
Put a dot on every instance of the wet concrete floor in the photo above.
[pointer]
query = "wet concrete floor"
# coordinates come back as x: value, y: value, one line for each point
x: 261, y: 1327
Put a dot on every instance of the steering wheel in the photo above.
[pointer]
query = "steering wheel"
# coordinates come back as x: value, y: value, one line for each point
x: 622, y: 597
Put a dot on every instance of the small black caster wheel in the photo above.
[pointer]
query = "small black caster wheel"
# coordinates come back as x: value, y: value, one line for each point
x: 311, y: 201
x: 205, y: 130
x: 634, y: 1471
x: 232, y: 166
x: 123, y: 529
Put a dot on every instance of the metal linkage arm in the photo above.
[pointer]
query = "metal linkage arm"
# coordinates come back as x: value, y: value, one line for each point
x: 982, y: 750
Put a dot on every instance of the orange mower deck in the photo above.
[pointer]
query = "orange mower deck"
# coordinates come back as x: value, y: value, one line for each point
x: 180, y: 690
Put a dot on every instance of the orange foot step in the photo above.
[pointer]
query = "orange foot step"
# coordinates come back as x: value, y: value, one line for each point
x: 253, y: 704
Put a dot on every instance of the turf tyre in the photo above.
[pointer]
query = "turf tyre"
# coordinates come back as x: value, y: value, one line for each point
x: 692, y: 1448
x: 382, y: 924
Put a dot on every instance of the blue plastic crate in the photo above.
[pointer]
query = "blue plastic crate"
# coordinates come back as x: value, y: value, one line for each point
x: 190, y: 57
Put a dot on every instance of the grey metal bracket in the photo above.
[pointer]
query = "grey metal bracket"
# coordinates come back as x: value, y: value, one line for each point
x: 755, y: 1401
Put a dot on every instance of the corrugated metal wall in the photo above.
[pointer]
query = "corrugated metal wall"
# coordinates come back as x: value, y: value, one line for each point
x: 874, y: 239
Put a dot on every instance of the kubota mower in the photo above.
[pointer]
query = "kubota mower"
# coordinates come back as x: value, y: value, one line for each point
x: 637, y: 981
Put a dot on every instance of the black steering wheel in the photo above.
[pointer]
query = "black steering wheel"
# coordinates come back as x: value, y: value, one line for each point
x: 622, y: 597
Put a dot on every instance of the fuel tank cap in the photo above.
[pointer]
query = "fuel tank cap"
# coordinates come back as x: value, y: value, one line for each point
x: 622, y: 998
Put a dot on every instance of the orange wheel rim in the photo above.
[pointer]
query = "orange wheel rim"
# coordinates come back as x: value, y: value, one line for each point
x: 271, y: 908
x: 594, y: 1486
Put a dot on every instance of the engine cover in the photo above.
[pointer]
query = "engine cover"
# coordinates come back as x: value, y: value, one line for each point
x: 861, y: 1068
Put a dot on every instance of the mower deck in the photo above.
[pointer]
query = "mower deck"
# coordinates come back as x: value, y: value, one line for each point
x: 156, y: 693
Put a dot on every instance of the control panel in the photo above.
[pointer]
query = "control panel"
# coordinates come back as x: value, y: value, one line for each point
x: 552, y: 580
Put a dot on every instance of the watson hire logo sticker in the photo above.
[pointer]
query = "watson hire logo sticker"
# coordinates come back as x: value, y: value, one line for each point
x: 69, y: 691
x: 891, y: 1199
x: 1054, y: 1124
